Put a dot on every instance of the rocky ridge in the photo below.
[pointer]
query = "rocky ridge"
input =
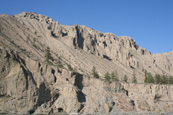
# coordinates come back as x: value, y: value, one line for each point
x: 120, y: 50
x: 28, y: 82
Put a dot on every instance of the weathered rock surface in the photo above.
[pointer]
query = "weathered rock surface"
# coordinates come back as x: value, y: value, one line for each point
x: 150, y: 97
x: 29, y: 85
x: 81, y: 46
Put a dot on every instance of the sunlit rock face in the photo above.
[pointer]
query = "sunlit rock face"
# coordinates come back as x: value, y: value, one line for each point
x: 30, y: 85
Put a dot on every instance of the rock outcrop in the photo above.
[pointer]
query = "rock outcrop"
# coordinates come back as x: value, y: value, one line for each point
x: 29, y: 85
x: 150, y: 97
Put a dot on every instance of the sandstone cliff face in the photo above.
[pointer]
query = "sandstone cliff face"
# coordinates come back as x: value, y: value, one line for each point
x: 122, y: 51
x: 41, y: 89
x: 29, y: 85
x: 153, y: 98
x: 17, y: 87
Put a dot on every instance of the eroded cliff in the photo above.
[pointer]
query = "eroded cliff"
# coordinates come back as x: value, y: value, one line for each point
x: 29, y: 85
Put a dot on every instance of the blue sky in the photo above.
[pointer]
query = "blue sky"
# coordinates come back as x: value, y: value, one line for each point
x: 148, y: 22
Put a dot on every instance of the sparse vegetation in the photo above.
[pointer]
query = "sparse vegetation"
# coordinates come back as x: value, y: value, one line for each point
x: 158, y: 79
x: 148, y: 77
x: 164, y: 79
x: 111, y: 77
x: 125, y: 79
x: 48, y: 56
x: 134, y: 79
x: 107, y: 76
x: 170, y: 80
x: 114, y: 76
x: 94, y: 73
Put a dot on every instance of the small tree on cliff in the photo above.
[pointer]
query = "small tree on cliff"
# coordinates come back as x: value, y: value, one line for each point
x: 114, y: 76
x: 157, y: 79
x: 134, y: 79
x: 48, y: 56
x: 107, y: 76
x: 94, y: 73
x: 148, y: 78
x: 170, y: 80
x: 164, y: 79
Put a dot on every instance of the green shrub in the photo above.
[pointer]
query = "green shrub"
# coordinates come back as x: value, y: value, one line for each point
x: 107, y: 76
x: 114, y: 76
x: 164, y: 79
x: 157, y: 79
x: 48, y: 56
x: 149, y: 78
x: 170, y: 80
x: 134, y: 79
x: 94, y: 73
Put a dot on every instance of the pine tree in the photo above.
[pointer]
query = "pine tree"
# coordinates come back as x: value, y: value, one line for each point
x: 134, y: 79
x: 164, y: 79
x: 150, y: 78
x: 157, y: 79
x: 170, y: 80
x: 114, y: 76
x: 48, y: 56
x: 146, y: 76
x: 107, y: 76
x: 94, y: 73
